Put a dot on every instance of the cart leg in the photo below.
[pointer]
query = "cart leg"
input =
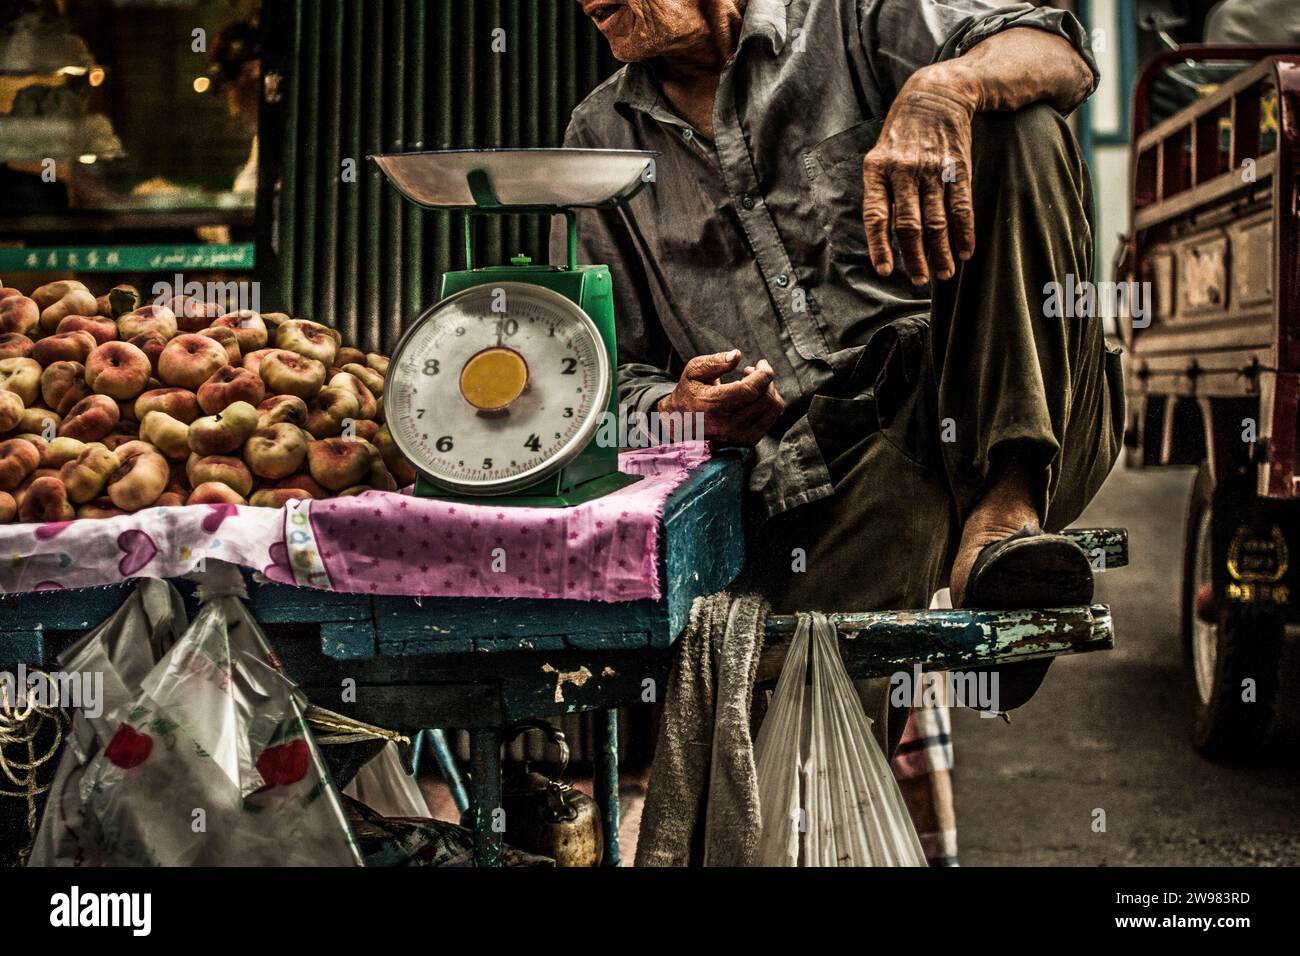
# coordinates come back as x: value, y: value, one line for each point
x: 605, y: 784
x: 485, y: 765
x: 437, y: 740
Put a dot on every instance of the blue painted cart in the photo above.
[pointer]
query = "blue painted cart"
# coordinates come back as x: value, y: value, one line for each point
x: 481, y: 664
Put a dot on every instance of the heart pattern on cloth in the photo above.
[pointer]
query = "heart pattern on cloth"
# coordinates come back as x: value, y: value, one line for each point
x: 45, y: 532
x: 279, y: 569
x: 218, y: 514
x: 138, y: 549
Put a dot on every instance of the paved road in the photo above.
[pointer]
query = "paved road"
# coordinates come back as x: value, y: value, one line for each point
x: 1109, y: 731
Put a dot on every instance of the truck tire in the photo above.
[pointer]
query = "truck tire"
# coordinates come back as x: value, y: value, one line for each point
x: 1225, y: 645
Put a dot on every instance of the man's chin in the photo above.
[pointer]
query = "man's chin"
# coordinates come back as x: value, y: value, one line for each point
x: 628, y: 50
x: 630, y: 45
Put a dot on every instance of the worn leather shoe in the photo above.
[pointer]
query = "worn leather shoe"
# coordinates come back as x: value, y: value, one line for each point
x: 1029, y: 569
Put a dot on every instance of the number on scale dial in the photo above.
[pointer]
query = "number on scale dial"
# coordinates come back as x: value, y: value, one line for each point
x: 496, y: 387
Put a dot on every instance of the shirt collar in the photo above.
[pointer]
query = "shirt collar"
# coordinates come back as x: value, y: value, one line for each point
x: 765, y: 18
x: 638, y: 88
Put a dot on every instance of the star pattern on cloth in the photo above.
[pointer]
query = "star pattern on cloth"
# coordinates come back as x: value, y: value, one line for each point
x: 609, y: 545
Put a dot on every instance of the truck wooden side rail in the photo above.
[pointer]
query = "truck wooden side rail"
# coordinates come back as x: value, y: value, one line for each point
x: 1215, y: 227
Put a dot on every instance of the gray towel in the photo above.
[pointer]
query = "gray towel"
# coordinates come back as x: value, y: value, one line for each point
x: 702, y: 805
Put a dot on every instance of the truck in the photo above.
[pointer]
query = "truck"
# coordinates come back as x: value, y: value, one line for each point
x: 1212, y: 371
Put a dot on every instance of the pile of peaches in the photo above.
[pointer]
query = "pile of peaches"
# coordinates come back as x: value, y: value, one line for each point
x: 108, y: 406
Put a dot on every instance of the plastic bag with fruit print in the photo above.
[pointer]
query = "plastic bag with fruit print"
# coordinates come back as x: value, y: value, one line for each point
x: 210, y: 762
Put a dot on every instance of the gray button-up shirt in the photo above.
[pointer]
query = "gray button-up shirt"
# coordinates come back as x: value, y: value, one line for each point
x: 756, y: 241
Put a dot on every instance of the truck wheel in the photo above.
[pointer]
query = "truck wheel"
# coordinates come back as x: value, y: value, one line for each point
x: 1226, y: 644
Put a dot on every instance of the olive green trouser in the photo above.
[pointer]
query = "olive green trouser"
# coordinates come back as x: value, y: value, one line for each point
x: 910, y: 453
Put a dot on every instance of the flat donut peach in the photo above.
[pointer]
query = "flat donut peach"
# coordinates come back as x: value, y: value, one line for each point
x: 288, y: 373
x: 139, y: 481
x: 228, y: 385
x: 224, y: 469
x: 226, y: 339
x: 250, y: 330
x: 46, y: 500
x: 189, y: 360
x: 215, y: 493
x: 103, y: 329
x: 151, y: 344
x: 147, y: 318
x: 276, y: 497
x: 276, y: 451
x: 193, y: 315
x: 64, y: 347
x: 15, y: 345
x: 118, y: 370
x: 18, y: 313
x: 22, y: 376
x: 91, y: 419
x: 310, y: 339
x: 18, y: 459
x: 181, y: 404
x: 11, y: 411
x: 63, y: 384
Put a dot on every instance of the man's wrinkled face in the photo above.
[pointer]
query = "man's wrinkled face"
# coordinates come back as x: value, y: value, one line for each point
x: 644, y: 29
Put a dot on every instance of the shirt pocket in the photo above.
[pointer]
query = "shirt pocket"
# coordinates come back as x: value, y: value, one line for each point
x: 834, y: 169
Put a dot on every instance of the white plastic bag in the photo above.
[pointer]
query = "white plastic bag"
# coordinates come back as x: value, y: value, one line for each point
x: 202, y: 756
x: 825, y: 789
x: 385, y: 787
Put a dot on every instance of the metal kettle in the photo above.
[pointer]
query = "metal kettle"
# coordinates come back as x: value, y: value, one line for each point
x: 549, y: 817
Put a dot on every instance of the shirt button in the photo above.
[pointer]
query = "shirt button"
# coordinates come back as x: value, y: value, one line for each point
x: 747, y: 201
x: 783, y: 280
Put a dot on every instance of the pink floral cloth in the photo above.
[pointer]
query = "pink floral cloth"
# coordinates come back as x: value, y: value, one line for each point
x: 378, y: 543
x: 383, y: 543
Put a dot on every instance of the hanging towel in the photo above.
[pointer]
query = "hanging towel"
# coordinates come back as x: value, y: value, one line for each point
x: 702, y: 804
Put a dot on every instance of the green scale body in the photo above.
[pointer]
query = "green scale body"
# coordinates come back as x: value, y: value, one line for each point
x: 594, y: 472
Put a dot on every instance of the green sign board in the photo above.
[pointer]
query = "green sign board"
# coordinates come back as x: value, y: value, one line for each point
x: 234, y: 257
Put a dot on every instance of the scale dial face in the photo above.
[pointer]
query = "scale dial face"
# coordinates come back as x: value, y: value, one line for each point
x: 497, y: 387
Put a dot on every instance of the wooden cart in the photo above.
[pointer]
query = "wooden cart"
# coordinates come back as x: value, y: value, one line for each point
x: 481, y: 665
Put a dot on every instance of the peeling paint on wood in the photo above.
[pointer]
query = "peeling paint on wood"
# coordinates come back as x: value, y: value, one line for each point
x: 1106, y: 548
x: 576, y: 678
x: 946, y: 639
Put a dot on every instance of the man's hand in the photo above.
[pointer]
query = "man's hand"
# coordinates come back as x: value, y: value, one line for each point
x: 916, y: 181
x: 737, y: 413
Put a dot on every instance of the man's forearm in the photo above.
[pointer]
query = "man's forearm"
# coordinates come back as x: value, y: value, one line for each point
x: 1009, y: 70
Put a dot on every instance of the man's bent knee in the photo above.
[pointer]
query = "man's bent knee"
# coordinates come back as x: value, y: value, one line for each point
x: 1029, y: 141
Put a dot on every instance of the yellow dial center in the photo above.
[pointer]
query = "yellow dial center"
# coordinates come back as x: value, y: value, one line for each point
x: 493, y: 378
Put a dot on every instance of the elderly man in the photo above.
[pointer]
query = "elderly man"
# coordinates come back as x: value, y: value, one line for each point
x: 858, y: 206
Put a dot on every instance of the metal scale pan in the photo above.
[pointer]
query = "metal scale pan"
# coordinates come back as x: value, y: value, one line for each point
x: 521, y: 179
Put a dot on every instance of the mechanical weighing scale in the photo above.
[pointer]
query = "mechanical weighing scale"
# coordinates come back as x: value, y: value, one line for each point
x: 497, y: 390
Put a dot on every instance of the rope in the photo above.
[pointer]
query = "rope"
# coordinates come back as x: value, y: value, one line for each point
x: 345, y: 730
x: 22, y: 726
